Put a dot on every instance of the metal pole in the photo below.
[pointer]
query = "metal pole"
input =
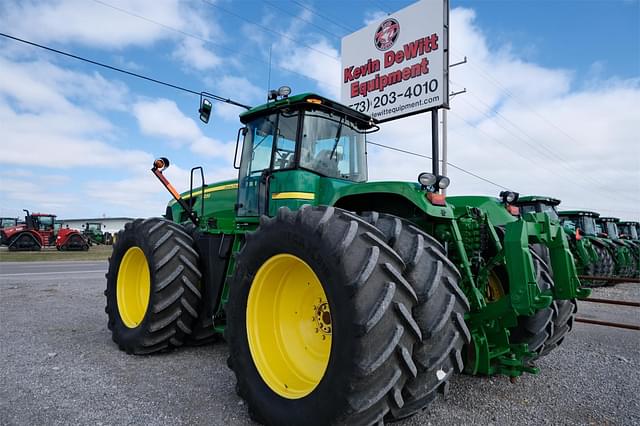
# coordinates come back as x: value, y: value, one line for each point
x: 435, y: 154
x: 444, y: 145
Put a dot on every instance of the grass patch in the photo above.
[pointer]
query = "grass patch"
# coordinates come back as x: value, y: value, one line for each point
x: 49, y: 253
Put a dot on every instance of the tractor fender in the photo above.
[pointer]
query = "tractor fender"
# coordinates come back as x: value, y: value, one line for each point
x: 8, y: 232
x: 64, y: 234
x: 397, y: 198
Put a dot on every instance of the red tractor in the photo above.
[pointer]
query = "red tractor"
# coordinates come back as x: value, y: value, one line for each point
x: 39, y: 230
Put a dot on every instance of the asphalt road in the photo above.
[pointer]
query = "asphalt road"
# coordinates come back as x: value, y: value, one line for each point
x: 59, y: 366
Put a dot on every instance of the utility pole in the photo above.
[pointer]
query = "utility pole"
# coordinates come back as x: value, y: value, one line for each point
x: 444, y: 126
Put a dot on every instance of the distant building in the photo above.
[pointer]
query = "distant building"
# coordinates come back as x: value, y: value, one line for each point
x: 109, y: 224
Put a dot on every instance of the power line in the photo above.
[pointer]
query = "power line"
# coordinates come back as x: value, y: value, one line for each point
x: 326, y: 18
x: 203, y: 39
x: 306, y: 21
x: 264, y: 28
x: 487, y: 76
x: 536, y: 143
x: 133, y: 74
x: 576, y: 182
x: 450, y: 164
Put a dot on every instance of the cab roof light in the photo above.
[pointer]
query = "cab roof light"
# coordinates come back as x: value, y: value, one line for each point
x: 314, y: 101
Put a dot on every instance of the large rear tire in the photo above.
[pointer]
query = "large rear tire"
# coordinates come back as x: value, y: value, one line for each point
x: 537, y: 329
x: 439, y: 313
x: 319, y: 323
x: 152, y: 286
x: 564, y: 313
x: 605, y: 264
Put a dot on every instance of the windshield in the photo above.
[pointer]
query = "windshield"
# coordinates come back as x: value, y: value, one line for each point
x: 551, y: 211
x: 6, y: 222
x: 612, y: 230
x: 628, y: 230
x: 331, y: 147
x: 541, y: 208
x: 45, y: 222
x: 588, y: 225
x: 93, y: 226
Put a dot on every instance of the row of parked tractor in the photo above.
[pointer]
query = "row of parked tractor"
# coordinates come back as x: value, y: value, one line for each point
x: 40, y: 230
x: 602, y: 247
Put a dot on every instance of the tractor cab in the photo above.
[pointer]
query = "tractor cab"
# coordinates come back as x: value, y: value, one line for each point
x: 299, y: 138
x: 539, y: 204
x: 41, y: 222
x: 629, y: 230
x: 7, y: 222
x: 583, y: 220
x: 609, y: 226
x: 93, y: 227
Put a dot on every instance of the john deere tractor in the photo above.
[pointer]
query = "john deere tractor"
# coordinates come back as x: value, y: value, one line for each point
x: 593, y: 253
x: 629, y: 231
x: 585, y: 253
x: 94, y: 234
x: 622, y: 249
x: 547, y: 328
x: 342, y: 300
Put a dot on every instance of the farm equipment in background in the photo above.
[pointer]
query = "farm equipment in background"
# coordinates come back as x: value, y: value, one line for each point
x: 622, y: 249
x: 630, y: 232
x: 342, y: 300
x: 40, y: 230
x: 584, y: 252
x: 94, y: 234
x: 8, y: 222
x: 594, y: 254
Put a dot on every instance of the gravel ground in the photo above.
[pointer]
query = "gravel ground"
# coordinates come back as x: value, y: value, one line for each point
x: 59, y: 366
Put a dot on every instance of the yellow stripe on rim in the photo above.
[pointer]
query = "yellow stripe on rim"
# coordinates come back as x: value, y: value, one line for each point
x: 289, y: 326
x: 133, y: 287
x: 293, y: 195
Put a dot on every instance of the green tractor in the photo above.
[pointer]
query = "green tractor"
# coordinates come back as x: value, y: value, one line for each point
x: 94, y: 234
x: 593, y: 254
x: 630, y: 231
x: 341, y: 300
x: 585, y: 253
x: 547, y: 328
x: 625, y: 266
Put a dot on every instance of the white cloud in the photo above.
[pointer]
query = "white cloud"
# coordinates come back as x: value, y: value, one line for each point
x: 239, y: 89
x: 163, y: 118
x: 195, y: 54
x: 373, y: 16
x: 322, y: 64
x: 91, y: 23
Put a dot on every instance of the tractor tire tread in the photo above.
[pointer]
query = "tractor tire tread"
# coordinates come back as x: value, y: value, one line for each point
x: 174, y: 291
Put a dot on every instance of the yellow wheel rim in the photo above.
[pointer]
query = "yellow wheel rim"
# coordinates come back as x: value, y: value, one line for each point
x: 133, y: 287
x: 289, y: 326
x: 495, y: 290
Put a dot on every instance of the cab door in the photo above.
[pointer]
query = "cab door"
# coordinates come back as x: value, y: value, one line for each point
x: 269, y: 147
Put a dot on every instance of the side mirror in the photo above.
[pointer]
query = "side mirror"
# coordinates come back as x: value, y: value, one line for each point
x: 205, y: 110
x: 241, y: 131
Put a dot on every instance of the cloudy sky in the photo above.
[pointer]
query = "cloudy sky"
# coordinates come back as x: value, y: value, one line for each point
x: 552, y: 104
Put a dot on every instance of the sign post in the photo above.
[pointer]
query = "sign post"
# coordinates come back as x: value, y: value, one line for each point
x: 399, y: 66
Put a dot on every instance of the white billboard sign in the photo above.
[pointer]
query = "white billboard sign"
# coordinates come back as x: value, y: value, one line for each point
x: 399, y: 65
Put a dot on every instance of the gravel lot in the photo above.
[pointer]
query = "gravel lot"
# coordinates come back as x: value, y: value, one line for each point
x: 59, y: 366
